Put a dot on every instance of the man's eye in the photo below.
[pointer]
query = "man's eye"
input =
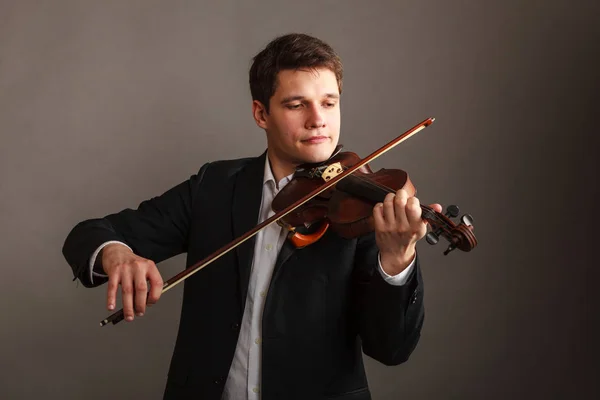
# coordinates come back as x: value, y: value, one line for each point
x: 293, y: 106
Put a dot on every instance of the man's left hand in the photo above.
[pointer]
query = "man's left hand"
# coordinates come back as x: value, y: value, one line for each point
x: 398, y: 227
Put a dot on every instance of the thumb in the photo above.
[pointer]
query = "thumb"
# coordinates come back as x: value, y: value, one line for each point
x: 437, y: 207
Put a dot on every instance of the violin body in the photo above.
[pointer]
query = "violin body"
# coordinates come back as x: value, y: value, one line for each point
x: 346, y: 207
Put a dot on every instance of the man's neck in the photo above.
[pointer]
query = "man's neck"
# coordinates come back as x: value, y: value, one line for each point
x: 280, y: 169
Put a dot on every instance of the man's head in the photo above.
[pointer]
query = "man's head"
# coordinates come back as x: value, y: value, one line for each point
x: 296, y: 82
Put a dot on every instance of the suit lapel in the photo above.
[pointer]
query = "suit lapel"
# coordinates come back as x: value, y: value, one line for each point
x: 247, y: 196
x: 286, y: 251
x: 284, y: 254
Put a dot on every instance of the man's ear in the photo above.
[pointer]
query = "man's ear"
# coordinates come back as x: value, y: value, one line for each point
x: 259, y: 113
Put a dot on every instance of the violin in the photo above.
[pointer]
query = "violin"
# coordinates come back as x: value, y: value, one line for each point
x: 339, y: 194
x: 347, y: 207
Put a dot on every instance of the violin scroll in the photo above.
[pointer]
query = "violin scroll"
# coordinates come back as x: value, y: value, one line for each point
x: 460, y: 236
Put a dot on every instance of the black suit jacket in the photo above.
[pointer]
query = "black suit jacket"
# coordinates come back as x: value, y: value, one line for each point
x: 326, y: 302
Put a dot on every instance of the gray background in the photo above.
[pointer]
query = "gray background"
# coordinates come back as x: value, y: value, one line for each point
x: 104, y: 104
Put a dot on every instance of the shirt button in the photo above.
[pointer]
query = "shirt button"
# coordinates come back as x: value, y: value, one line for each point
x: 268, y: 247
x: 257, y: 340
x: 263, y: 293
x: 255, y: 390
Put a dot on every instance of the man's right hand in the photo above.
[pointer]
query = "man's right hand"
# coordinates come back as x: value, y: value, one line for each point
x: 132, y: 272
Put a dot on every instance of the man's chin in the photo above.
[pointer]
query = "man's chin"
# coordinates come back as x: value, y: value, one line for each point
x: 315, y: 158
x: 317, y: 155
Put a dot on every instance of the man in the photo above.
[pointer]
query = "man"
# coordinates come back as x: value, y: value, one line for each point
x: 267, y: 321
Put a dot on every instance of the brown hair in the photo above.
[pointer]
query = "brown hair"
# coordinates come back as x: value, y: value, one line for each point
x: 291, y: 51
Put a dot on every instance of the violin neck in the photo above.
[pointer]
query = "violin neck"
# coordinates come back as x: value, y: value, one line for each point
x: 363, y: 188
x: 367, y: 190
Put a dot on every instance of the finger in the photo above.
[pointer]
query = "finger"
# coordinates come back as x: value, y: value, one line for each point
x: 127, y: 294
x: 112, y: 286
x: 413, y: 212
x: 400, y: 209
x: 437, y: 207
x: 389, y: 215
x: 378, y: 217
x: 156, y: 285
x: 141, y: 291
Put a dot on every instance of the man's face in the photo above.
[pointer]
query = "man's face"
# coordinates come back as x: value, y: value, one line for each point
x: 303, y: 124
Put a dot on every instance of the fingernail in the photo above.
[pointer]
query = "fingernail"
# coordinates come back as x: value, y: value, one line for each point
x: 129, y: 318
x: 111, y: 306
x: 140, y: 314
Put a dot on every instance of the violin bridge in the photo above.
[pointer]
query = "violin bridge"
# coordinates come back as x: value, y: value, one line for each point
x: 332, y: 171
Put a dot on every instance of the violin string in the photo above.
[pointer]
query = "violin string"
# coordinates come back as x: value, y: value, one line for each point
x: 374, y: 184
x: 387, y: 189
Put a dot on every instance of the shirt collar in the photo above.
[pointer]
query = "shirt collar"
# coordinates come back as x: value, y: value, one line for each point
x: 268, y: 176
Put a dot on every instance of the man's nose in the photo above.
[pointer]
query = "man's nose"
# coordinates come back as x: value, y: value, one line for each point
x: 316, y: 118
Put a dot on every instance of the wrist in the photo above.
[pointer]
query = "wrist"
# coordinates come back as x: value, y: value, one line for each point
x: 396, y: 262
x: 109, y: 251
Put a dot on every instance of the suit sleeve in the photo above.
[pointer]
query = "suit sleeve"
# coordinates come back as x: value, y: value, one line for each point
x: 157, y: 229
x: 389, y: 317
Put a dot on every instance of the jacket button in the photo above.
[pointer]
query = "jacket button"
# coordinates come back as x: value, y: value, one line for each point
x: 235, y: 326
x: 413, y: 299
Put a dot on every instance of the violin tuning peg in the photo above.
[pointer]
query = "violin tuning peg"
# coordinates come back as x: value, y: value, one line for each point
x: 432, y: 238
x: 467, y: 220
x: 449, y: 249
x: 452, y: 211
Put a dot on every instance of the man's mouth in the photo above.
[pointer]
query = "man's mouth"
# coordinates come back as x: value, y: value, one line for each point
x: 315, y: 139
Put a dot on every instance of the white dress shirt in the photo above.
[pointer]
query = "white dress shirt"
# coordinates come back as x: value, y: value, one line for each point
x: 244, y: 379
